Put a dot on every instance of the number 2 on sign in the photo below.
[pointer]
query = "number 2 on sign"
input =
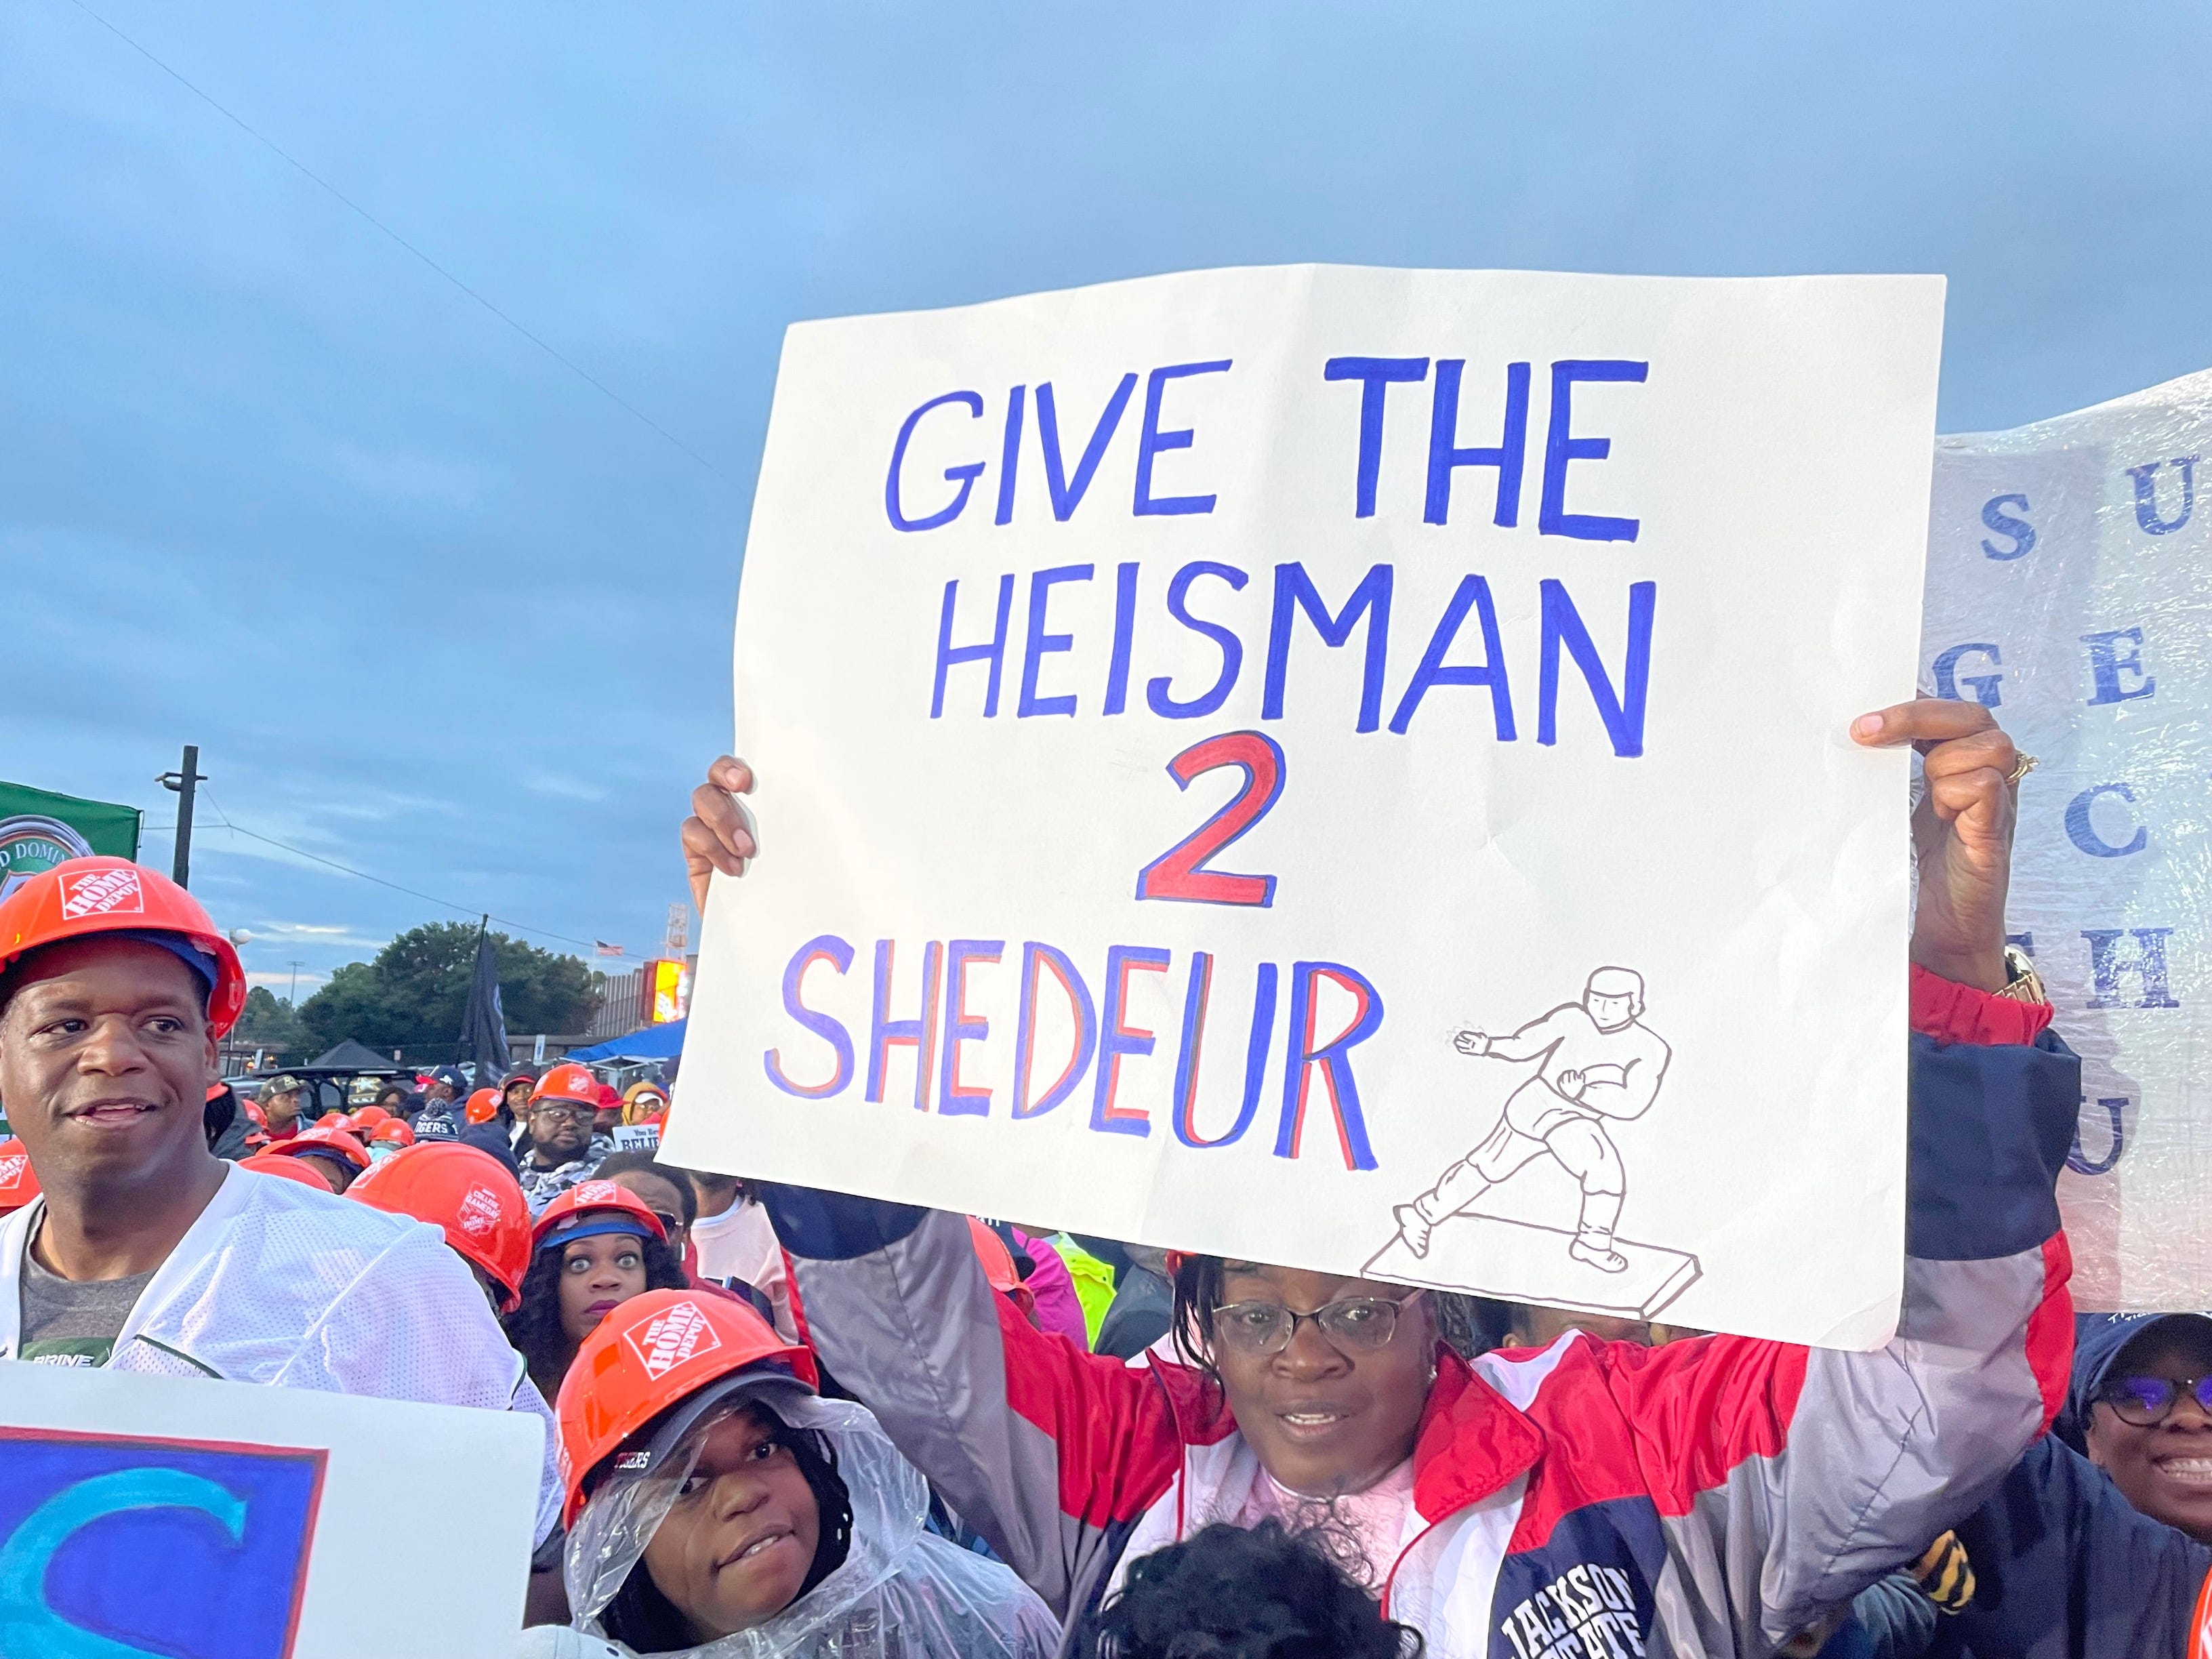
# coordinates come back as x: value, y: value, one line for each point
x: 1180, y: 873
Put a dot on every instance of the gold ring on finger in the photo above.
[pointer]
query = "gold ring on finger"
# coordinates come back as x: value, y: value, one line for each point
x: 2021, y: 769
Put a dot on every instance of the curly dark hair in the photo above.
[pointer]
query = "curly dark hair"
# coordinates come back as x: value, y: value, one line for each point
x: 644, y: 1619
x: 1229, y: 1593
x: 534, y: 1327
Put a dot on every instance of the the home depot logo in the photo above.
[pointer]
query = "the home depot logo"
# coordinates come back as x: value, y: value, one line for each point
x: 479, y: 1212
x: 12, y: 1166
x: 589, y: 1193
x: 679, y: 1333
x: 100, y: 893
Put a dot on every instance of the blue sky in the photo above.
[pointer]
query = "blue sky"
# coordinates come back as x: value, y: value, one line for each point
x: 434, y: 607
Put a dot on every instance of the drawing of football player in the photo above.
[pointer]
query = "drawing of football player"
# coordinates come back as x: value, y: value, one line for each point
x: 1597, y: 1062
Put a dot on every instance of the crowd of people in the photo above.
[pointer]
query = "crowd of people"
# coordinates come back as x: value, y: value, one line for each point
x: 787, y: 1421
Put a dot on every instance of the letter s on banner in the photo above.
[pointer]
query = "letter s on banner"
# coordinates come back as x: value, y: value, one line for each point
x: 828, y: 948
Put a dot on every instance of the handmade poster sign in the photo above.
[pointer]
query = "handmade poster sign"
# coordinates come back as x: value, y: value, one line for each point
x: 204, y: 1520
x: 2069, y: 588
x: 1345, y: 768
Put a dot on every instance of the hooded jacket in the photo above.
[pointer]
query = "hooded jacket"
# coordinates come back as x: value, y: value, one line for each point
x: 901, y: 1593
x: 1703, y: 1500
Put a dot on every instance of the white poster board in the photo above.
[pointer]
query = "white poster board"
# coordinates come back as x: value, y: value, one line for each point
x: 207, y: 1520
x: 2069, y: 588
x: 1250, y: 757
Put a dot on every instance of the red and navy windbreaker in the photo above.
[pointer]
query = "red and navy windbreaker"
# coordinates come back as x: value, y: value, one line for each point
x: 1707, y: 1498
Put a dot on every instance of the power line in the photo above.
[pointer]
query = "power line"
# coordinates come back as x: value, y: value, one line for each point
x: 310, y: 174
x: 428, y: 898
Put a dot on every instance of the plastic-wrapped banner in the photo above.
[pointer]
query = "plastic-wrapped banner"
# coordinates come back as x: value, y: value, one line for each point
x: 2069, y: 589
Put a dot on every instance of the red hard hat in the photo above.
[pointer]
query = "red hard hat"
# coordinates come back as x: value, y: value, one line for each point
x: 998, y: 1260
x: 339, y: 1121
x: 19, y: 1184
x: 596, y: 1195
x: 276, y: 1164
x: 392, y: 1131
x: 466, y: 1192
x: 368, y: 1117
x: 649, y: 1354
x: 336, y: 1140
x: 568, y: 1081
x: 483, y: 1106
x: 254, y: 1114
x: 79, y: 897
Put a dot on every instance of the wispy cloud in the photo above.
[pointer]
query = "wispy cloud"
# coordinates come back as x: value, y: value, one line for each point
x: 562, y: 787
x: 424, y: 480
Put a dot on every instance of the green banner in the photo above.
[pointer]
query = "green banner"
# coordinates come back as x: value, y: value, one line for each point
x: 39, y: 829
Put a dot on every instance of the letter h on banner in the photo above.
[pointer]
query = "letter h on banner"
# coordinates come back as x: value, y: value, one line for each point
x: 994, y: 651
x: 918, y: 1034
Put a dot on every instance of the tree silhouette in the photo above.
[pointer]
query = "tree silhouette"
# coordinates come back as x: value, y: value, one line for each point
x: 413, y: 994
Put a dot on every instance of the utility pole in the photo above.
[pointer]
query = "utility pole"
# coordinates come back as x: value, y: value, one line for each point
x: 292, y: 995
x: 183, y: 783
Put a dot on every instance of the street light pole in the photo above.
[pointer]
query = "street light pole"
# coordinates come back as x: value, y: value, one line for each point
x: 292, y: 995
x: 183, y: 783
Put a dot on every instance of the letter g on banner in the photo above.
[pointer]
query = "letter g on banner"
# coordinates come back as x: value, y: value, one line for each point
x: 963, y: 475
x: 1984, y: 687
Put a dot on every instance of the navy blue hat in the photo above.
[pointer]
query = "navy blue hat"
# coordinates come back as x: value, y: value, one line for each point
x: 2098, y: 1341
x: 204, y: 966
x: 436, y: 1124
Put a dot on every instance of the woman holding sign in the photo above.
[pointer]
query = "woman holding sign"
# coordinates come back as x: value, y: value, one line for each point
x: 1704, y: 1499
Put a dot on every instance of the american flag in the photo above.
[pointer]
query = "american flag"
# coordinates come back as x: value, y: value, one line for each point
x: 602, y: 948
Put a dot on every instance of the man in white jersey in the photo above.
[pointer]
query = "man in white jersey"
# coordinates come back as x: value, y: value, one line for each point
x: 146, y: 1253
x: 1597, y: 1061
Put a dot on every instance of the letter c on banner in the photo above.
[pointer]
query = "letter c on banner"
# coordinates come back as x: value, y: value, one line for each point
x: 965, y: 475
x: 28, y: 1623
x: 2083, y: 833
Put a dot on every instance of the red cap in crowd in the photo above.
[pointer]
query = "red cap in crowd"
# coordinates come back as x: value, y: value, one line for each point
x: 291, y: 1168
x: 652, y: 1353
x: 18, y: 1184
x: 81, y: 898
x: 326, y: 1142
x: 392, y: 1131
x: 368, y: 1117
x: 571, y: 1215
x: 466, y: 1192
x: 568, y: 1081
x: 483, y: 1106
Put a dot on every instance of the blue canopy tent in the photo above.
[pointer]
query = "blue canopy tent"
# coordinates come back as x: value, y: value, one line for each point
x: 648, y: 1042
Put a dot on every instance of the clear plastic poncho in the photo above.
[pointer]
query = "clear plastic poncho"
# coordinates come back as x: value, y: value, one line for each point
x: 901, y: 1593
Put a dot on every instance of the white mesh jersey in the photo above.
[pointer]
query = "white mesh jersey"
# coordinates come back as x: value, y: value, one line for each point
x: 278, y: 1283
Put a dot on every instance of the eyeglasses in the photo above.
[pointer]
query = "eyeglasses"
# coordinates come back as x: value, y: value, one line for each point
x: 573, y: 1114
x: 1353, y: 1323
x: 669, y: 1223
x: 2145, y: 1401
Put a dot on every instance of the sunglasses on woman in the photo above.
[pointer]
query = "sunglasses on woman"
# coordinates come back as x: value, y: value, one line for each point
x: 2145, y: 1401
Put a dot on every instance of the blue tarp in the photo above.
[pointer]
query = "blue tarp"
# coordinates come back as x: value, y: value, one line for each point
x: 649, y: 1043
